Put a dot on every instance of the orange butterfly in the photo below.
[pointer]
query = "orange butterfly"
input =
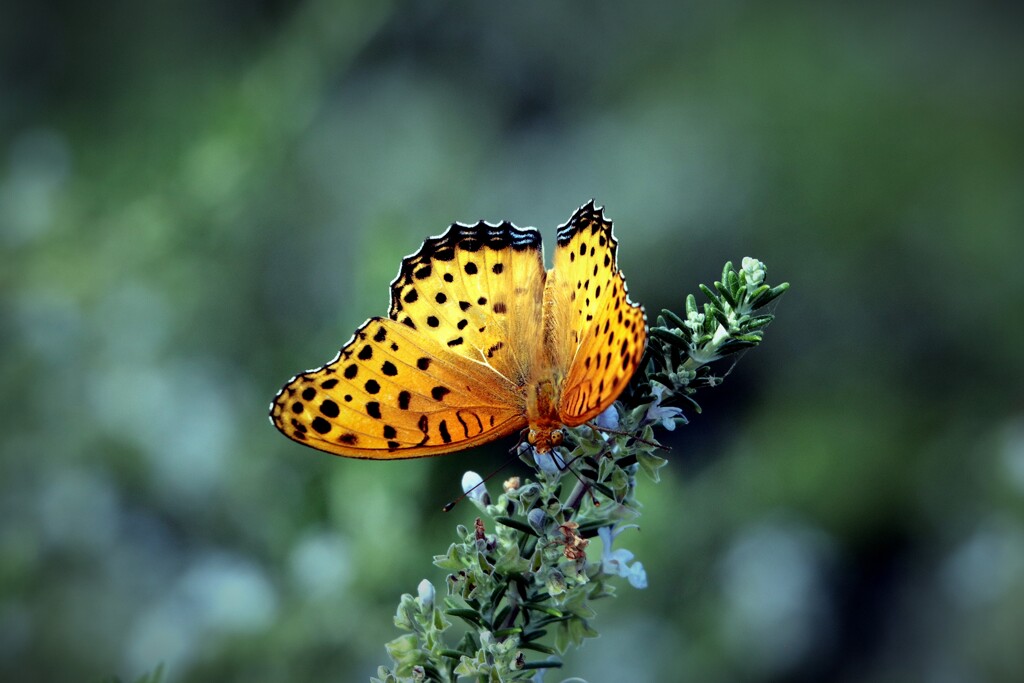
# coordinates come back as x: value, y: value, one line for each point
x: 480, y: 342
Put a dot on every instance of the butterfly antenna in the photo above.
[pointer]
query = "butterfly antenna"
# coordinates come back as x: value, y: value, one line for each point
x: 606, y: 430
x: 448, y: 507
x: 584, y: 486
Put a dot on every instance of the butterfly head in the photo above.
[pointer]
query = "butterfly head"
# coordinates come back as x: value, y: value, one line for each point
x: 544, y: 439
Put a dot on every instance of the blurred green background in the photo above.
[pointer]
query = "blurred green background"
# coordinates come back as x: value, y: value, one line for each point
x: 199, y: 199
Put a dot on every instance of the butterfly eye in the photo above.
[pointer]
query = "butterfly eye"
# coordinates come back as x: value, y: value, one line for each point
x: 531, y: 438
x: 556, y: 437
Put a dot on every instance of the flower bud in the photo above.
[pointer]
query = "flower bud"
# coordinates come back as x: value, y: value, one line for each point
x: 425, y: 594
x: 753, y: 271
x: 538, y: 520
x: 473, y: 487
x: 549, y: 463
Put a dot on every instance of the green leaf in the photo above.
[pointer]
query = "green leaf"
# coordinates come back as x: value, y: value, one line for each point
x: 670, y: 338
x: 726, y: 294
x: 555, y: 613
x: 452, y: 560
x: 543, y: 665
x: 734, y: 346
x: 691, y: 305
x: 760, y: 291
x: 506, y: 632
x: 690, y: 400
x: 511, y: 562
x: 660, y: 378
x: 516, y: 524
x: 726, y: 269
x: 579, y: 630
x: 470, y: 616
x: 770, y: 295
x: 440, y: 623
x: 532, y: 635
x: 650, y: 464
x: 757, y: 322
x: 673, y: 319
x: 537, y: 647
x: 712, y: 297
x: 736, y: 286
x: 589, y: 529
x: 722, y: 318
x: 404, y: 651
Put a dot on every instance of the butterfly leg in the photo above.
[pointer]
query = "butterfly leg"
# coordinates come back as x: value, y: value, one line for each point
x: 522, y: 439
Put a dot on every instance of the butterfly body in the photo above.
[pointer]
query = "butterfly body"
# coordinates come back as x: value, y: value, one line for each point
x: 480, y: 342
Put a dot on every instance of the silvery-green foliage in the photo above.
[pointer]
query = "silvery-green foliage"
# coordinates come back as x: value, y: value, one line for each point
x: 522, y: 579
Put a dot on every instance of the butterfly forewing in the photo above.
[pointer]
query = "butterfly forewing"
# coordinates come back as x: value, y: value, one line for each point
x: 476, y: 290
x: 445, y: 372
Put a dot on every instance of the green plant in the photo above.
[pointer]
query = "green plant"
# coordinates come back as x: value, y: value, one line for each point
x: 521, y: 579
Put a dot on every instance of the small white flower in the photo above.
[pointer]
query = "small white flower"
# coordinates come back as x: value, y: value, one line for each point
x: 473, y: 486
x: 695, y: 321
x: 538, y: 519
x: 616, y: 562
x: 753, y: 271
x: 425, y: 594
x: 658, y: 413
x: 637, y: 576
x: 609, y: 419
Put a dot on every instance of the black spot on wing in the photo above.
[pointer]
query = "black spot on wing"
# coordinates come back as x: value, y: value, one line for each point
x: 329, y: 408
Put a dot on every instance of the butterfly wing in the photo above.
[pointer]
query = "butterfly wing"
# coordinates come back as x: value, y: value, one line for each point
x: 478, y: 291
x: 603, y: 334
x: 442, y: 373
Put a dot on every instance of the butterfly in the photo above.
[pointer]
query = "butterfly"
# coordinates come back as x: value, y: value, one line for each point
x: 480, y: 342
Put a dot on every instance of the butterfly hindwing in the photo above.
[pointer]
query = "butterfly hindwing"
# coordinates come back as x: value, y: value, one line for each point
x: 604, y: 331
x: 392, y: 393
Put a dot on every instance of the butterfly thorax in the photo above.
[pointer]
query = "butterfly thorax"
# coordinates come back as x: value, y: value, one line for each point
x: 542, y: 413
